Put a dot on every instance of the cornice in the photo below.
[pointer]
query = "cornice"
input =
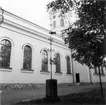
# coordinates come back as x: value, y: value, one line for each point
x: 17, y: 27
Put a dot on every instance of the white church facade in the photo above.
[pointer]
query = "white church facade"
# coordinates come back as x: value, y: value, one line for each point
x: 25, y: 54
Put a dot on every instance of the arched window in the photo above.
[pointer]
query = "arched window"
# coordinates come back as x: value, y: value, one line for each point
x: 54, y: 24
x: 5, y: 53
x: 68, y: 65
x: 102, y: 70
x: 27, y: 60
x: 96, y: 71
x: 57, y: 58
x: 61, y: 22
x: 44, y: 61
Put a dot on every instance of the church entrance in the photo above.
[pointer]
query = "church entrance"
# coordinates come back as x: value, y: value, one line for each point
x: 77, y: 77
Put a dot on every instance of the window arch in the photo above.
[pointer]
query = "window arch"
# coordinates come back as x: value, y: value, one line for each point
x: 57, y: 58
x: 54, y: 24
x: 5, y: 53
x: 44, y: 61
x: 27, y: 60
x: 61, y: 22
x: 68, y: 65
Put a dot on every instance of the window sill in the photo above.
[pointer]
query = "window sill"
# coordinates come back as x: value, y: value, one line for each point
x: 45, y: 72
x: 69, y: 74
x: 96, y: 74
x: 27, y: 71
x: 103, y: 75
x: 6, y: 69
x: 58, y: 73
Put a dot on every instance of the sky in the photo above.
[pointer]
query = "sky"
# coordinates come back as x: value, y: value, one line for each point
x: 32, y: 10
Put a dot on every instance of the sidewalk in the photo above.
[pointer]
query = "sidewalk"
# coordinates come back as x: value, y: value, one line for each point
x: 9, y: 97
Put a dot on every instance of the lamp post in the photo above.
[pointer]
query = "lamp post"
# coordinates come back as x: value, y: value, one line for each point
x: 51, y: 84
x: 51, y: 40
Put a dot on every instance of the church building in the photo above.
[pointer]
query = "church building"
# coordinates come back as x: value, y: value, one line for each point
x: 29, y: 53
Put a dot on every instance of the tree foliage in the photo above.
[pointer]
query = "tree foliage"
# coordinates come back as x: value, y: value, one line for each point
x: 60, y: 5
x: 88, y: 37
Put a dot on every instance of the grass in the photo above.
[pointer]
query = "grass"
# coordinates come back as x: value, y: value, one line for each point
x: 87, y: 98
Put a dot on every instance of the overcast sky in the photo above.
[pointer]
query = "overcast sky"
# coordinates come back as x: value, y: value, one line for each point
x: 32, y: 10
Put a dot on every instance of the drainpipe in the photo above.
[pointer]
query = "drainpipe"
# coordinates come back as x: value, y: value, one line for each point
x: 72, y: 64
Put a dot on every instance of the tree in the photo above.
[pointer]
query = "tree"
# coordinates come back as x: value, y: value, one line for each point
x: 88, y: 38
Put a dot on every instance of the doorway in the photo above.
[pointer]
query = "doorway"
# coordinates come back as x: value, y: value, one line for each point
x: 77, y: 77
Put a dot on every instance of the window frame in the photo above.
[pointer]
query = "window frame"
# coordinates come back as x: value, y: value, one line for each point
x: 68, y: 64
x: 61, y: 22
x: 58, y: 71
x: 27, y: 69
x: 11, y: 45
x: 102, y: 70
x: 54, y: 24
x: 43, y: 54
x: 97, y: 70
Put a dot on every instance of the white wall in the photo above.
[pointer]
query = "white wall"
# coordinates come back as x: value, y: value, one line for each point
x: 21, y: 32
x: 95, y: 77
x: 82, y: 70
x: 15, y: 75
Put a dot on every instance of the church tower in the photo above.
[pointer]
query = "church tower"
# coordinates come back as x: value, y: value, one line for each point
x: 58, y: 23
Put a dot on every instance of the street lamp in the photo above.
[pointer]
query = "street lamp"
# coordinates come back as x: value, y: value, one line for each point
x: 51, y: 84
x: 51, y: 60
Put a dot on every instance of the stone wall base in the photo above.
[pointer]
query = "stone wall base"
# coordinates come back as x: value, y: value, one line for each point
x: 20, y: 86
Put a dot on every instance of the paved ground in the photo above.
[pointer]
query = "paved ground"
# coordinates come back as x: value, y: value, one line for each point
x: 12, y: 96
